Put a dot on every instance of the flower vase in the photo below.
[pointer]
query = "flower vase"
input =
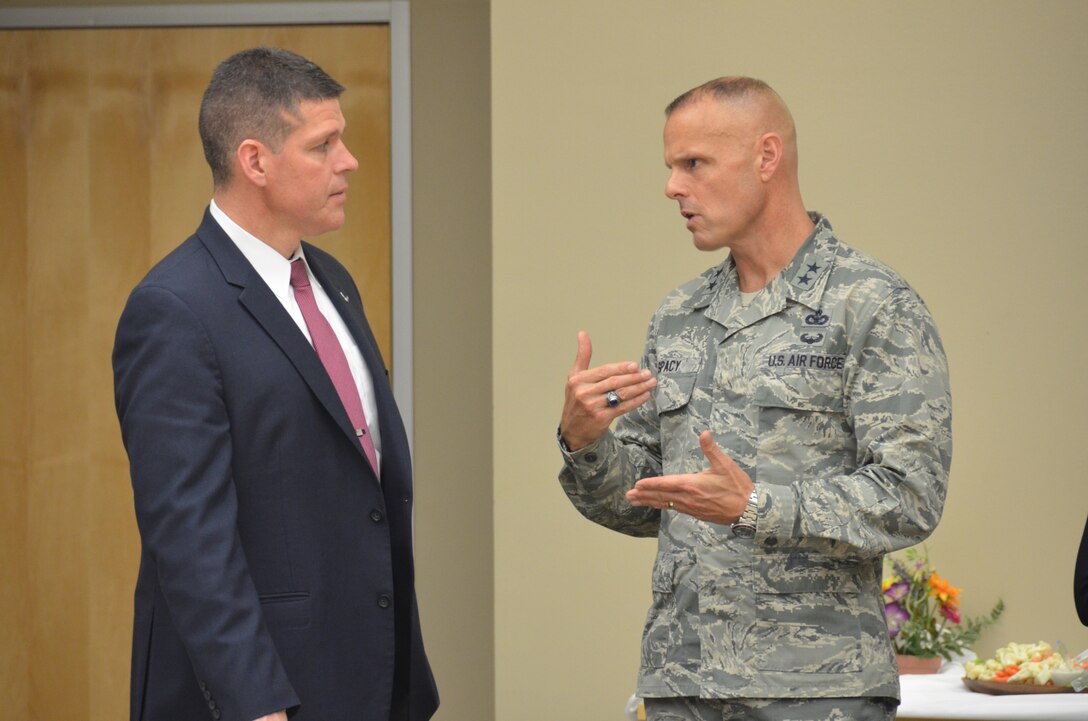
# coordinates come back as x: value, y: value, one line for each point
x: 918, y: 664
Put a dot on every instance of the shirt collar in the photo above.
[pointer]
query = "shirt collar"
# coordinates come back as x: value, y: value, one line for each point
x: 274, y: 269
x: 802, y: 280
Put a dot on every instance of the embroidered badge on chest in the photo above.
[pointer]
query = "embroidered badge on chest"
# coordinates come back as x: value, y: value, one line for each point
x: 812, y: 361
x: 677, y: 365
x: 816, y: 319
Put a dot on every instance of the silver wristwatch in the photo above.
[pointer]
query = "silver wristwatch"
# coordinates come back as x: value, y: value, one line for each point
x: 745, y: 526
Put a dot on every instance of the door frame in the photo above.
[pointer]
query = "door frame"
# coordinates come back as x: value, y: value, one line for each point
x: 395, y: 13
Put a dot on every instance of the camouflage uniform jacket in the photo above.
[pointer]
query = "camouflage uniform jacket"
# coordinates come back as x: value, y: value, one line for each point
x: 830, y: 389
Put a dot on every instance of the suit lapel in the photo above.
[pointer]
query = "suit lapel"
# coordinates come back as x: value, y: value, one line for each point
x: 266, y: 309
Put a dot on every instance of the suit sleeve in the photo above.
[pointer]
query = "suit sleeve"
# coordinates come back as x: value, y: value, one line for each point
x: 1080, y: 579
x: 176, y: 430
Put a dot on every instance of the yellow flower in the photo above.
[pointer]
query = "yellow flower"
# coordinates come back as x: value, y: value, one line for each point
x: 888, y: 583
x: 944, y: 591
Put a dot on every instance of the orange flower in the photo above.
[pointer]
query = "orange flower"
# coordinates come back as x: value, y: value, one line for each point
x: 944, y: 591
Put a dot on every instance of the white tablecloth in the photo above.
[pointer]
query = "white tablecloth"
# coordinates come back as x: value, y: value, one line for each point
x: 943, y: 696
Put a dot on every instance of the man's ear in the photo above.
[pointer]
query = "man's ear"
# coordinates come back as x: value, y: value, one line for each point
x: 251, y: 157
x: 771, y: 151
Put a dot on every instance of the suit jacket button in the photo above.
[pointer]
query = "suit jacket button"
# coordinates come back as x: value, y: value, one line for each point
x: 216, y: 713
x: 384, y: 601
x: 591, y: 457
x: 376, y: 516
x: 207, y: 694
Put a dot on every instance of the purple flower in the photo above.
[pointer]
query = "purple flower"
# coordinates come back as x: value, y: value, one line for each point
x: 896, y: 614
x: 896, y: 592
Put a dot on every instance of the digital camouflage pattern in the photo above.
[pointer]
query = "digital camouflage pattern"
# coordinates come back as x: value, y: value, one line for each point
x: 686, y: 708
x: 830, y: 389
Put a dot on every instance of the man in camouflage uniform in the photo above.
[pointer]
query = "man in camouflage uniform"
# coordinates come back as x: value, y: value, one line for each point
x: 790, y: 424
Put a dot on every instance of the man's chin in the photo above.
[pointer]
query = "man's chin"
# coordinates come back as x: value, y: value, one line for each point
x: 707, y: 245
x: 329, y: 224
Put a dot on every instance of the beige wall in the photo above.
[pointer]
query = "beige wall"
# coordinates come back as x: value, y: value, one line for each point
x: 452, y: 337
x: 944, y: 138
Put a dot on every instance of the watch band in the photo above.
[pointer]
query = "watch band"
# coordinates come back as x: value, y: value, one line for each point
x: 745, y: 526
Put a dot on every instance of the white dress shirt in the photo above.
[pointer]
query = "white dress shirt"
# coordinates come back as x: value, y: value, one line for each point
x: 275, y: 270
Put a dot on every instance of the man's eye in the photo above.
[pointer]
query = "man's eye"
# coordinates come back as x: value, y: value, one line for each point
x: 692, y: 163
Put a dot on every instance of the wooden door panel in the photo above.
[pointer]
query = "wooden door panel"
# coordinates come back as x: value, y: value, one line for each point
x: 103, y: 174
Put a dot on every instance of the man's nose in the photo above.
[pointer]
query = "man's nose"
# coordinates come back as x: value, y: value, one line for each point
x: 673, y: 187
x: 348, y: 162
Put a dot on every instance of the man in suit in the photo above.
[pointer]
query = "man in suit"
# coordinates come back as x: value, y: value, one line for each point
x: 270, y: 468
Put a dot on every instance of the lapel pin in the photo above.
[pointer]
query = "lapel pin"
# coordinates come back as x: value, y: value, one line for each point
x: 343, y: 296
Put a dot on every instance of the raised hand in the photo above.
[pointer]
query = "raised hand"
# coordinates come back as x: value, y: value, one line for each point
x: 587, y: 409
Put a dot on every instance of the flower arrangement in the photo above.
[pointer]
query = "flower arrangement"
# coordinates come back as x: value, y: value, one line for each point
x: 923, y: 610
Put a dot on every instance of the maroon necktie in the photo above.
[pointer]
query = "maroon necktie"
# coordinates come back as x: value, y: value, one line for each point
x: 332, y: 356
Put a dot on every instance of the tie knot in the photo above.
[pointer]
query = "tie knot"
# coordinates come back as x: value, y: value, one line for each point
x: 299, y: 279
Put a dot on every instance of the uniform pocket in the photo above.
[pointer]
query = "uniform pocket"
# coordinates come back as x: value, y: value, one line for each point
x: 819, y: 391
x: 676, y: 417
x: 807, y: 614
x: 669, y: 624
x: 803, y: 429
x: 673, y: 391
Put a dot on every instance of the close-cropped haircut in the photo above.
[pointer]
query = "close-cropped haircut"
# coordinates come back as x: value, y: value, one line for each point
x: 727, y: 88
x: 251, y: 94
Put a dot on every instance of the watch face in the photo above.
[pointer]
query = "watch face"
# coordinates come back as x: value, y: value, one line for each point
x: 744, y: 531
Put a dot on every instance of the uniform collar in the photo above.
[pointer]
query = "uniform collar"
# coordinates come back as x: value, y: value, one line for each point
x: 805, y: 278
x: 802, y: 281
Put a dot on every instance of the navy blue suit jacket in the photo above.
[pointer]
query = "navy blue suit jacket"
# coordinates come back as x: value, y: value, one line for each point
x: 1080, y: 578
x: 276, y: 571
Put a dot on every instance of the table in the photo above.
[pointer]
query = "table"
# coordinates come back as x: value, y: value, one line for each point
x: 943, y: 696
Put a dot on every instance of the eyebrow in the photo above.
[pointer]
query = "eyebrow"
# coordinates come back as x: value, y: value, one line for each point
x: 684, y: 158
x: 334, y: 132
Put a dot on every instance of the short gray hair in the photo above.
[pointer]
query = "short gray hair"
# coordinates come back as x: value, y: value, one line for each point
x: 725, y: 88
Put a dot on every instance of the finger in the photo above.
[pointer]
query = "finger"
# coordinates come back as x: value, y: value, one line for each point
x: 616, y: 374
x: 641, y: 498
x: 595, y: 375
x: 626, y: 406
x: 656, y: 492
x: 659, y: 484
x: 585, y: 352
x: 633, y: 389
x: 719, y: 462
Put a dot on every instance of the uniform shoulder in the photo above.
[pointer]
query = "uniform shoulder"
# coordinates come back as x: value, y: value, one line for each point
x: 860, y: 269
x: 698, y: 290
